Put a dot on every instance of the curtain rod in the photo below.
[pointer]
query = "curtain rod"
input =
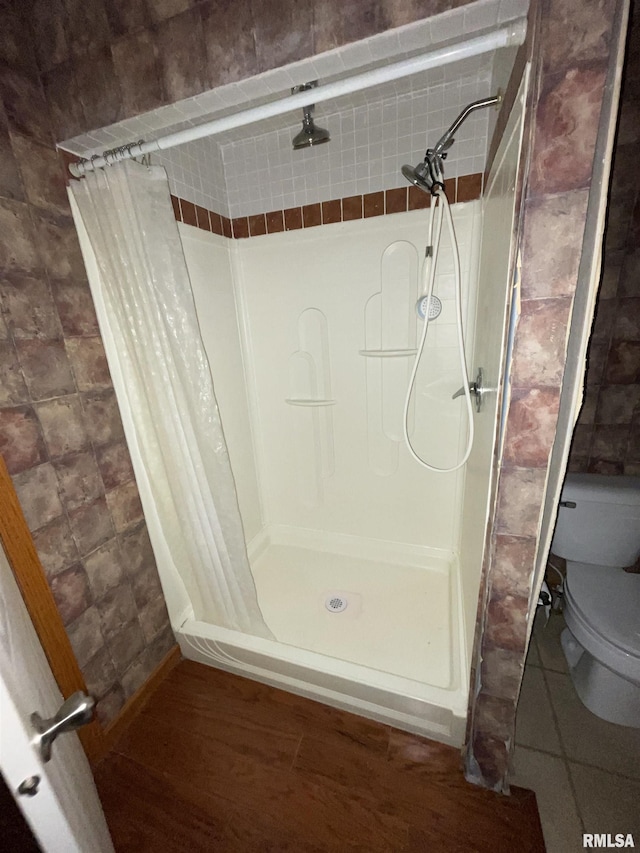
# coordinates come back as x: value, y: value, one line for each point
x: 511, y: 35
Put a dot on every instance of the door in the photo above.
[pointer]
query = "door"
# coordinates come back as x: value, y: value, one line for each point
x: 64, y: 813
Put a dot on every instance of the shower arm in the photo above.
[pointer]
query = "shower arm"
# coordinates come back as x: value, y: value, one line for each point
x: 446, y: 141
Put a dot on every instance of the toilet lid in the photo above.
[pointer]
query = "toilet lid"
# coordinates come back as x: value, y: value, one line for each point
x: 608, y: 598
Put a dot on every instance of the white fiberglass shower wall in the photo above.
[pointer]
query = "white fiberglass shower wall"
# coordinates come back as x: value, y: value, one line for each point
x: 311, y: 336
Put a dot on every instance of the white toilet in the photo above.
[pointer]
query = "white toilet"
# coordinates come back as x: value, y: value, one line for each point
x: 598, y: 533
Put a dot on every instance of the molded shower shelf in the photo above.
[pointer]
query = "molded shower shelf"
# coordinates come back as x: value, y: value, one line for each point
x: 293, y: 401
x: 387, y: 353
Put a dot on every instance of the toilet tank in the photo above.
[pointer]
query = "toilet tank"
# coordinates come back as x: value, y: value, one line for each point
x: 599, y: 520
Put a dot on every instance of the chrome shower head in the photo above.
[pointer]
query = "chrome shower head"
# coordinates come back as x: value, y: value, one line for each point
x: 310, y: 134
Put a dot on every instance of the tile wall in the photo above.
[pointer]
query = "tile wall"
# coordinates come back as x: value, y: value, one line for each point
x: 368, y: 146
x: 60, y: 431
x: 570, y: 44
x: 396, y: 200
x: 607, y: 436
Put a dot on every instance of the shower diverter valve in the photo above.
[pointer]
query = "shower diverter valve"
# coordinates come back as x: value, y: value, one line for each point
x: 433, y: 305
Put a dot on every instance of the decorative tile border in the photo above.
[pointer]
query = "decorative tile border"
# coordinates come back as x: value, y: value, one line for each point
x: 397, y: 200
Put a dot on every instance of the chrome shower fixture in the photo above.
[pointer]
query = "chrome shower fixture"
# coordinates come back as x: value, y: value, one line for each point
x: 310, y: 134
x: 429, y: 175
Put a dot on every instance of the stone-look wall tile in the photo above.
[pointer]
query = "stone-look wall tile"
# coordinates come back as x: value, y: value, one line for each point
x: 21, y: 442
x: 558, y: 222
x: 24, y: 105
x: 610, y: 277
x: 91, y: 526
x: 75, y: 308
x: 496, y: 714
x: 513, y: 566
x: 41, y: 174
x: 12, y: 385
x: 117, y: 608
x: 336, y: 23
x: 531, y: 426
x: 616, y: 404
x: 89, y: 362
x: 566, y: 129
x: 17, y: 240
x: 623, y: 364
x: 102, y: 417
x: 15, y: 47
x: 126, y: 645
x: 127, y: 17
x: 137, y: 68
x: 86, y: 25
x: 506, y: 625
x: 153, y: 618
x: 138, y: 672
x: 29, y: 307
x: 609, y: 443
x: 581, y: 443
x: 108, y: 708
x: 627, y: 321
x: 124, y: 505
x: 589, y: 404
x: 501, y: 672
x: 629, y: 284
x: 55, y: 546
x: 160, y: 10
x: 137, y: 553
x: 49, y: 36
x: 565, y: 39
x: 98, y: 88
x: 519, y: 501
x: 63, y: 425
x: 115, y: 464
x: 182, y: 55
x: 541, y: 341
x: 104, y: 568
x: 46, y: 368
x: 99, y: 674
x: 37, y: 490
x: 146, y: 586
x: 79, y: 480
x: 63, y: 96
x: 283, y: 32
x: 225, y: 23
x: 85, y: 634
x: 492, y: 754
x: 10, y: 180
x: 59, y: 247
x: 71, y: 592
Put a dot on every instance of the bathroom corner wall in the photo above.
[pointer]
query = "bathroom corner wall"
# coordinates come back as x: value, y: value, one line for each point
x: 607, y: 436
x: 60, y: 430
x: 572, y: 45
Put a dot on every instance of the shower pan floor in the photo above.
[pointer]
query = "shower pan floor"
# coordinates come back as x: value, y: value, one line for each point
x: 397, y: 619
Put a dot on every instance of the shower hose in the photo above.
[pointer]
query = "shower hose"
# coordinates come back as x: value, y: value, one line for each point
x: 437, y: 211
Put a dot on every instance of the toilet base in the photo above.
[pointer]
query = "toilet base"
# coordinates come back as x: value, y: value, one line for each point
x: 605, y: 693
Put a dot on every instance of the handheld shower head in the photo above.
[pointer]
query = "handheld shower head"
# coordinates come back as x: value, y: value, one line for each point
x: 429, y: 175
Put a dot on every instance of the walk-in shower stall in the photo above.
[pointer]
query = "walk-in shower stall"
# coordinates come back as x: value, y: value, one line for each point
x: 366, y: 564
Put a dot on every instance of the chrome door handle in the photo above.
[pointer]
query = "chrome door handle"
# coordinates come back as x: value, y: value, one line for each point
x: 477, y: 389
x: 75, y: 712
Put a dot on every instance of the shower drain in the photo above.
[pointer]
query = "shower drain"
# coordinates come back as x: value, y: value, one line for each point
x: 336, y: 603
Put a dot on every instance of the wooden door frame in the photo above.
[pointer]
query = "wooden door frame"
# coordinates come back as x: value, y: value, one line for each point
x: 20, y: 549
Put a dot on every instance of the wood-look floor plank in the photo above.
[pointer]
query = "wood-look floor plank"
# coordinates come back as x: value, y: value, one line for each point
x: 266, y: 784
x: 217, y: 762
x: 230, y: 697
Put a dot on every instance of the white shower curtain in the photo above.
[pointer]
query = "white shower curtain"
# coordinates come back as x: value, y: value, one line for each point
x: 127, y: 212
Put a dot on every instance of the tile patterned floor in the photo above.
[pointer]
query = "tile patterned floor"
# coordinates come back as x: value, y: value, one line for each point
x: 585, y: 771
